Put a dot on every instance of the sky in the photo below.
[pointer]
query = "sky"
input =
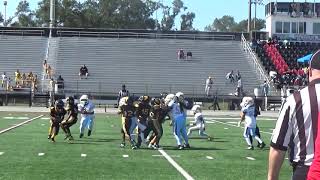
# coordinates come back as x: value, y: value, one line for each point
x: 206, y: 10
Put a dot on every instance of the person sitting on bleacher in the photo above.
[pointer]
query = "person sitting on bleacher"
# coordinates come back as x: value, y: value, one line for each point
x: 4, y: 80
x: 83, y: 72
x: 180, y: 54
x: 189, y: 55
x: 60, y: 82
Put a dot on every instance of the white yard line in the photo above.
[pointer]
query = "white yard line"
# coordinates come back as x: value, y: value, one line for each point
x: 20, y: 124
x: 176, y: 165
x: 235, y: 125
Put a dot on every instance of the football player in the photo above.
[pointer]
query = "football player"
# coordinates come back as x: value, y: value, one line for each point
x: 248, y: 115
x: 72, y: 117
x: 57, y: 114
x: 127, y: 112
x: 86, y: 109
x: 142, y: 113
x: 158, y: 113
x: 178, y: 108
x: 198, y: 124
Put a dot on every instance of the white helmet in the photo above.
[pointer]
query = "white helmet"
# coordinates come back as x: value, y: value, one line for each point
x: 247, y: 101
x: 84, y: 99
x: 180, y: 96
x: 168, y: 98
x: 196, y: 109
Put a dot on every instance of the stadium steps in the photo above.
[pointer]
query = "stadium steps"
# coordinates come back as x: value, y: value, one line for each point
x: 151, y: 65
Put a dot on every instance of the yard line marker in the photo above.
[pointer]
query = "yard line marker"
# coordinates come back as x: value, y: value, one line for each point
x: 226, y: 128
x: 125, y: 155
x: 176, y: 165
x: 232, y: 122
x: 1, y: 153
x: 42, y: 124
x: 83, y: 155
x: 251, y: 158
x: 209, y: 157
x: 45, y: 118
x: 8, y: 117
x: 20, y: 124
x: 41, y: 154
x: 157, y: 155
x: 233, y: 125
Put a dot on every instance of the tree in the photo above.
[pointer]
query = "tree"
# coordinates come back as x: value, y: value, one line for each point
x: 24, y: 14
x: 227, y: 24
x: 187, y: 21
x: 1, y: 18
x: 170, y: 14
x: 224, y: 24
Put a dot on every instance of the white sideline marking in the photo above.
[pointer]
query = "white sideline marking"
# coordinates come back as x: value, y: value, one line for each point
x: 1, y: 153
x: 236, y: 118
x: 232, y: 122
x: 125, y: 155
x: 20, y: 118
x: 45, y: 118
x: 42, y: 124
x: 234, y: 125
x: 176, y: 165
x: 157, y: 155
x: 226, y: 128
x: 83, y: 155
x: 251, y: 158
x: 20, y: 124
x: 209, y: 157
x: 41, y: 154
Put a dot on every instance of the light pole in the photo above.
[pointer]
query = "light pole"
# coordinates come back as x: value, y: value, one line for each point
x: 249, y: 19
x: 5, y: 3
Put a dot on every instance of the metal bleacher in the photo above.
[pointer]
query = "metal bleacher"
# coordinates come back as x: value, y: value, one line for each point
x: 150, y: 66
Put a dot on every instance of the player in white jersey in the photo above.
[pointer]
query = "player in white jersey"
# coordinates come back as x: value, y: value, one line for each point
x: 198, y: 124
x: 248, y: 115
x: 86, y: 109
x: 178, y: 109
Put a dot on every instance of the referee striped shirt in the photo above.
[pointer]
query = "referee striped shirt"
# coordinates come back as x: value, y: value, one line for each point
x: 296, y: 127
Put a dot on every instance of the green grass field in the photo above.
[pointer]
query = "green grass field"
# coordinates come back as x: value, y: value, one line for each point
x: 104, y: 158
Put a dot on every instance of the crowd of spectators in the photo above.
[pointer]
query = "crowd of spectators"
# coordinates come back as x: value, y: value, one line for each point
x: 184, y: 56
x: 21, y: 80
x: 280, y: 60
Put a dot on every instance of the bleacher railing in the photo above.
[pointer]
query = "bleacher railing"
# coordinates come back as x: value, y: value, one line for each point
x: 146, y: 35
x: 17, y: 32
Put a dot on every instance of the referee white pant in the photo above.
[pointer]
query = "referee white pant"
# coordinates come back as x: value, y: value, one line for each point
x: 208, y: 90
x: 86, y: 122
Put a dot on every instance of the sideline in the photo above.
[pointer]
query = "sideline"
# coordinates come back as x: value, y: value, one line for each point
x: 20, y: 124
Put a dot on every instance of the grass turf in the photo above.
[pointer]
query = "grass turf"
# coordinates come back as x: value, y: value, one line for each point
x: 105, y: 159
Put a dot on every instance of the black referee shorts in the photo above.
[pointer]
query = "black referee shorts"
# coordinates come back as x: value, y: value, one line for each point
x: 300, y: 172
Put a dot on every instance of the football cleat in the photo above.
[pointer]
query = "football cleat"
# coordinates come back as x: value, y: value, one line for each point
x: 210, y: 138
x: 49, y: 136
x: 180, y: 147
x: 186, y: 146
x: 122, y: 145
x: 250, y: 148
x: 52, y: 139
x: 81, y: 136
x: 262, y: 145
x: 89, y: 133
x: 259, y: 145
x: 134, y: 147
x: 70, y: 138
x: 150, y: 146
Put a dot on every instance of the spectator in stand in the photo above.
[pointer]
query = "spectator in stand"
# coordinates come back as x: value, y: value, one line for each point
x: 9, y: 86
x: 4, y: 80
x: 238, y: 75
x: 230, y: 76
x: 122, y: 93
x: 180, y: 54
x: 49, y: 72
x: 29, y: 79
x: 24, y: 79
x: 265, y: 89
x: 45, y: 69
x: 35, y: 83
x: 60, y: 82
x: 189, y: 55
x: 17, y: 76
x: 209, y: 84
x: 239, y: 90
x: 83, y: 72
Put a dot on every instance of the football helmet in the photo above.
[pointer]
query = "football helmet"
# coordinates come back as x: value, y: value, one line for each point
x: 247, y: 101
x: 180, y: 96
x: 168, y: 98
x: 59, y: 104
x: 155, y: 101
x: 144, y: 99
x: 196, y: 109
x: 84, y: 99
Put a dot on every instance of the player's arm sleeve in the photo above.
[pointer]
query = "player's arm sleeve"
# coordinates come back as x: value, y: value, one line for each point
x: 283, y: 130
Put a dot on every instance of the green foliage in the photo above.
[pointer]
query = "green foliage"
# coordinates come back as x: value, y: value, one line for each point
x: 228, y: 24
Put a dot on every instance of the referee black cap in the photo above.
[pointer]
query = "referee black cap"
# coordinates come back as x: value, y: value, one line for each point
x: 315, y: 60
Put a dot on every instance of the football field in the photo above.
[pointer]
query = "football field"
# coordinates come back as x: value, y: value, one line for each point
x: 26, y: 153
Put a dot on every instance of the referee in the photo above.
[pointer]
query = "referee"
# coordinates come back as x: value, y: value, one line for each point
x: 296, y: 128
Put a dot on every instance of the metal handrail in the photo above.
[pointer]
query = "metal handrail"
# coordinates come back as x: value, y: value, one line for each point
x: 152, y: 35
